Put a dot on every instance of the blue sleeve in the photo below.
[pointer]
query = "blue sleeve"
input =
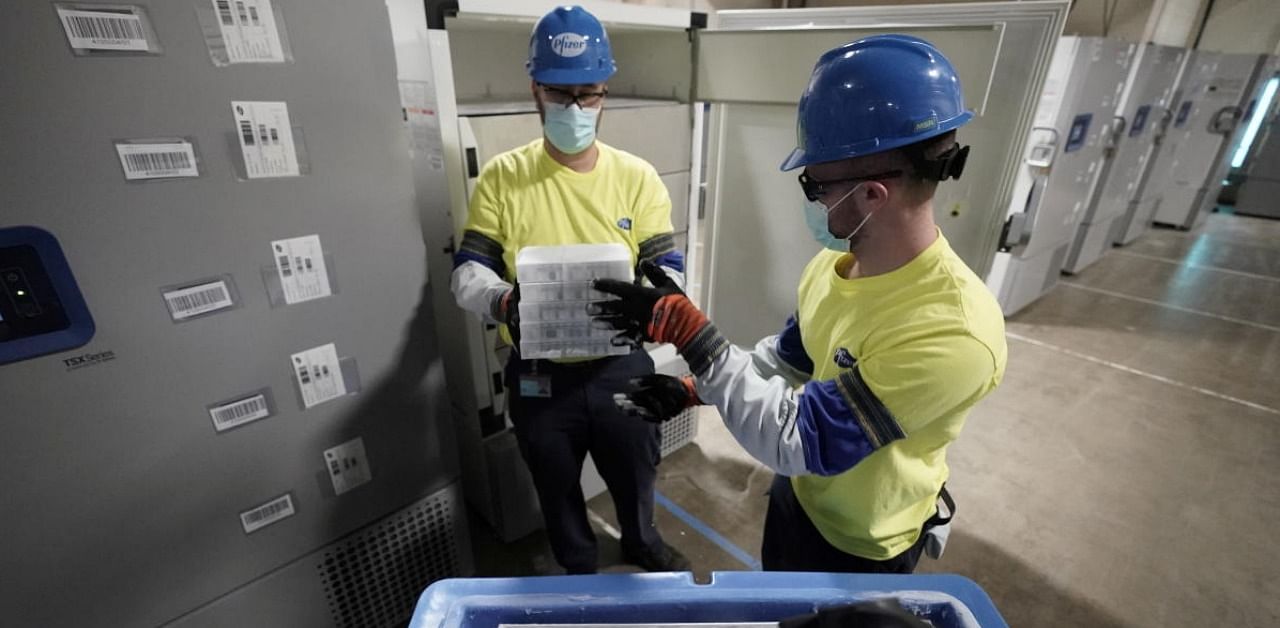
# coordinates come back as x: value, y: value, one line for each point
x: 790, y: 348
x: 841, y: 422
x: 661, y: 250
x: 480, y: 248
x: 673, y: 260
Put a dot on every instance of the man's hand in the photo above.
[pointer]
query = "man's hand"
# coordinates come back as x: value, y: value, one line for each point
x: 659, y: 314
x: 509, y: 314
x: 657, y: 398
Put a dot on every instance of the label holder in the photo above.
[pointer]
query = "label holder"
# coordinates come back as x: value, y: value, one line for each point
x: 293, y: 512
x: 299, y: 151
x: 195, y: 152
x: 232, y: 292
x: 268, y: 398
x: 153, y: 39
x: 217, y: 45
x: 350, y: 380
x: 275, y: 290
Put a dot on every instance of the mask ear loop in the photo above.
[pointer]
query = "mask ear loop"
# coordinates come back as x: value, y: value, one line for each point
x: 837, y: 204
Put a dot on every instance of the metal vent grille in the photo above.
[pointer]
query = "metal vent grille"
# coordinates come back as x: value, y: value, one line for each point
x: 373, y: 579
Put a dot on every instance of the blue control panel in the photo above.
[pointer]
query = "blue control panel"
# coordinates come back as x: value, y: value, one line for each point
x: 1079, y: 132
x: 1140, y: 120
x: 1184, y: 112
x: 41, y: 308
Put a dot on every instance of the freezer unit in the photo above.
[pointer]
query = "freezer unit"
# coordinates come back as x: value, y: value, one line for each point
x: 1064, y: 159
x: 1144, y: 106
x: 1259, y: 193
x: 224, y: 399
x: 1215, y: 91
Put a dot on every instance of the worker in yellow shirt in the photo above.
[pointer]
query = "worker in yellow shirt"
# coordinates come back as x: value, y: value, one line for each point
x: 569, y: 188
x: 854, y: 402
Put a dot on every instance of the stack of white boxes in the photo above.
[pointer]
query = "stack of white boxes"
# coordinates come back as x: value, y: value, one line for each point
x: 555, y: 288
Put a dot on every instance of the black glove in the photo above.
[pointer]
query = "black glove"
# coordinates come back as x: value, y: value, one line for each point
x: 509, y: 314
x: 636, y: 313
x: 657, y: 398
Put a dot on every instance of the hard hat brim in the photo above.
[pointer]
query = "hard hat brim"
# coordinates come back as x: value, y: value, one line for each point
x: 799, y: 157
x: 560, y: 76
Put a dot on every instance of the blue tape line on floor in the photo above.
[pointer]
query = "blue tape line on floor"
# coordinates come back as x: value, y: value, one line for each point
x: 706, y: 530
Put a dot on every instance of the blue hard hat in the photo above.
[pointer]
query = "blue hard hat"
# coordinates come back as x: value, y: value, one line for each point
x: 570, y: 47
x: 873, y: 95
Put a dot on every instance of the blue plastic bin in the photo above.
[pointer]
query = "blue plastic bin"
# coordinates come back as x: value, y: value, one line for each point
x: 733, y: 596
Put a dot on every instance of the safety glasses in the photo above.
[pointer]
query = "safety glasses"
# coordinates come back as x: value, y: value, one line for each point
x: 815, y: 189
x: 565, y: 98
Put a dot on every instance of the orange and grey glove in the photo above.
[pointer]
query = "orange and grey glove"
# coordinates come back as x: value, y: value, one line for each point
x: 659, y: 314
x: 658, y: 398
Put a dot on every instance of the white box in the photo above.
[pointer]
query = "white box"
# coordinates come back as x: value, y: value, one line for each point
x: 573, y: 263
x: 555, y: 288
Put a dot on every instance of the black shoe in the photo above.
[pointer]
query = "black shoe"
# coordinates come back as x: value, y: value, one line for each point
x: 665, y: 558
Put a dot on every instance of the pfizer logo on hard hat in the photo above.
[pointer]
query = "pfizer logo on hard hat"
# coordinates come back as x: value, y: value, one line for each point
x: 569, y: 44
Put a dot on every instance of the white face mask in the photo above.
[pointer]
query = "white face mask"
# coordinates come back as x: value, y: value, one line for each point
x: 816, y: 216
x: 571, y: 129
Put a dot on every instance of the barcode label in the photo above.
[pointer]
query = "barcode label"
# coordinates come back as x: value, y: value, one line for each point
x: 196, y: 300
x: 165, y: 160
x: 238, y: 413
x: 301, y: 268
x: 267, y: 514
x: 157, y: 162
x: 266, y: 139
x: 348, y: 465
x: 319, y: 374
x: 104, y: 30
x: 249, y: 32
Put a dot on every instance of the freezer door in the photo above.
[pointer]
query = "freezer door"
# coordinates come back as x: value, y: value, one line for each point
x: 1203, y: 123
x: 1152, y: 79
x: 757, y: 243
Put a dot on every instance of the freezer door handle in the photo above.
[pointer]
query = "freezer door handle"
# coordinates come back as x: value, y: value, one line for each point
x: 1041, y: 155
x: 1166, y: 118
x: 1019, y: 226
x: 1225, y: 120
x: 1016, y: 232
x: 1119, y: 124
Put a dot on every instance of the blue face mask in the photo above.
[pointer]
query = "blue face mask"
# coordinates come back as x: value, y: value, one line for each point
x: 816, y: 215
x: 571, y: 130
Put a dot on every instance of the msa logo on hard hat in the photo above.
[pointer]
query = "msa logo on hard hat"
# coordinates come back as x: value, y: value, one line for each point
x: 927, y: 124
x: 569, y: 44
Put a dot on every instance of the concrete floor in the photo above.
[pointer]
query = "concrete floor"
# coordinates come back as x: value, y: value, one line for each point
x: 1124, y: 474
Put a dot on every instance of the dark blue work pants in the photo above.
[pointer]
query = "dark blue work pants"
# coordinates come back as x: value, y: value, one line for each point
x: 556, y: 433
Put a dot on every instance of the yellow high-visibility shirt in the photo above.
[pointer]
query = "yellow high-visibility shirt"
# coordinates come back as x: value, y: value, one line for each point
x: 525, y: 198
x: 927, y: 340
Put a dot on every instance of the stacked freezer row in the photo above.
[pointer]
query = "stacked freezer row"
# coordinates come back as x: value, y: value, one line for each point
x: 1126, y: 136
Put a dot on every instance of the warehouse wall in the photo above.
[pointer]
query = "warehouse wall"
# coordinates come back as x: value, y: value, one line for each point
x: 1120, y: 19
x: 1243, y: 26
x: 1232, y: 25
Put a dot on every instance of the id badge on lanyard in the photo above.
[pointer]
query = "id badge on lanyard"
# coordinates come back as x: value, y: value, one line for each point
x: 534, y: 385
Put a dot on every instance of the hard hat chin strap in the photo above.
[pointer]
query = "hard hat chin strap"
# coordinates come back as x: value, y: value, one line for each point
x: 948, y: 165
